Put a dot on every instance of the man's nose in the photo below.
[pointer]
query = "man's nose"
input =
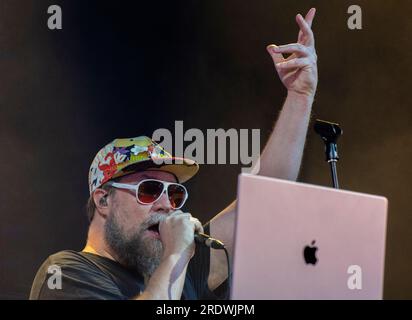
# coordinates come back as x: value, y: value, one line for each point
x: 163, y: 204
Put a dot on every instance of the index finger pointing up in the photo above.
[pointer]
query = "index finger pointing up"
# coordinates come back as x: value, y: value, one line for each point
x: 305, y: 29
x: 309, y: 16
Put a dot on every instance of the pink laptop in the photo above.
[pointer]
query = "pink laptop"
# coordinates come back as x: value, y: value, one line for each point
x: 300, y: 241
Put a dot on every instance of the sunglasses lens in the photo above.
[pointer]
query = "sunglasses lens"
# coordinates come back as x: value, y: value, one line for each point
x: 149, y: 191
x: 177, y: 195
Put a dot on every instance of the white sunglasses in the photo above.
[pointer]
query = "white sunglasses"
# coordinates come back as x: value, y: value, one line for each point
x: 148, y: 191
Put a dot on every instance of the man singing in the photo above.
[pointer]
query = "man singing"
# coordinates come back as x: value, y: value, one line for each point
x: 140, y: 243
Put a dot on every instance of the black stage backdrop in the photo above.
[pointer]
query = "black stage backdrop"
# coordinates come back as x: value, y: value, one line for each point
x: 126, y: 68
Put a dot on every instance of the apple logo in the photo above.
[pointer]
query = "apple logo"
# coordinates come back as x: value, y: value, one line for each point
x: 309, y: 253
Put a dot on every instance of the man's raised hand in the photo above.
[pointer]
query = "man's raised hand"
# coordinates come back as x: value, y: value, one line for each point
x: 298, y: 72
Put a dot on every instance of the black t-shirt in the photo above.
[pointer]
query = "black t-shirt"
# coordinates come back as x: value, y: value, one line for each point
x: 89, y: 276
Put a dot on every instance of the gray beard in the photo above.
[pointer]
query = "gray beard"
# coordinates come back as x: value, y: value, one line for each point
x: 134, y: 251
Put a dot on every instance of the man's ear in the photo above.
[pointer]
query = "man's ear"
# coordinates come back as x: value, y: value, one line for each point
x: 100, y: 198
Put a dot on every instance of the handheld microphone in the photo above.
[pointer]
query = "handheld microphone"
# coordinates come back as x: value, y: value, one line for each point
x: 208, y: 241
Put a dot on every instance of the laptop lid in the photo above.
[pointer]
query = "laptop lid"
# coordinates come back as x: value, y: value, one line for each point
x: 300, y: 241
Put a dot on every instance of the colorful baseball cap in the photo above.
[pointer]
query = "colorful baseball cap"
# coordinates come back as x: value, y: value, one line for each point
x: 124, y: 156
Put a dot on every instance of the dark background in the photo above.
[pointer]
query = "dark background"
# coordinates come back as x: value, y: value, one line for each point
x: 123, y: 68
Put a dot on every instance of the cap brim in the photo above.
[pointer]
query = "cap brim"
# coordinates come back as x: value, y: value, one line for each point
x: 182, y: 168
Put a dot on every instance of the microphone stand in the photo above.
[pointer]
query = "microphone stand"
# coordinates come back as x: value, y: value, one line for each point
x: 332, y: 158
x: 330, y: 132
